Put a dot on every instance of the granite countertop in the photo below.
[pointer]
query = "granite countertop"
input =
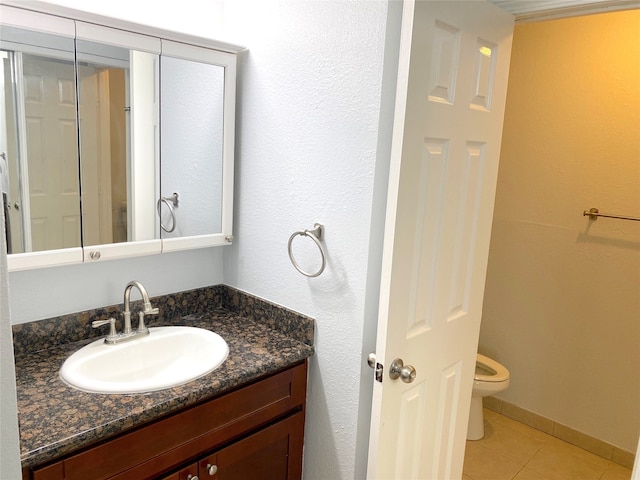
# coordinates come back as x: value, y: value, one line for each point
x: 56, y: 419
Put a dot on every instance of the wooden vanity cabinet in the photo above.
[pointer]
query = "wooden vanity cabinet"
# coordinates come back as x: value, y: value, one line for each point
x: 253, y: 432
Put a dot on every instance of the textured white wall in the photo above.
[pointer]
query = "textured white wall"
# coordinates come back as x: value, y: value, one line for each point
x: 562, y: 294
x: 308, y: 126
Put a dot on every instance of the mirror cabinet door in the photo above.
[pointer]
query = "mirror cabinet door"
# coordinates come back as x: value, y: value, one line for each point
x: 196, y: 145
x: 119, y: 124
x: 191, y: 146
x: 39, y: 175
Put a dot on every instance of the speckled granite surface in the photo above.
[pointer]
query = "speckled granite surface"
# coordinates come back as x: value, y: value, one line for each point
x: 56, y: 419
x: 35, y: 336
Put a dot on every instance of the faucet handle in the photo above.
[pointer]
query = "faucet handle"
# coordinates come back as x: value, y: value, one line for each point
x: 112, y: 326
x: 142, y: 328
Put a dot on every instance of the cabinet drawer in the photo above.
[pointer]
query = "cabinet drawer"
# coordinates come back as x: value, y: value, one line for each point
x: 168, y: 442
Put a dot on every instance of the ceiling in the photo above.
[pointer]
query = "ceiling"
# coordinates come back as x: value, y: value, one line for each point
x: 529, y: 10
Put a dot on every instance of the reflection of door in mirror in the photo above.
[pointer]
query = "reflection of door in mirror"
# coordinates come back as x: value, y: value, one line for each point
x: 103, y: 150
x: 40, y: 147
x: 192, y: 130
x: 114, y: 210
x: 50, y: 111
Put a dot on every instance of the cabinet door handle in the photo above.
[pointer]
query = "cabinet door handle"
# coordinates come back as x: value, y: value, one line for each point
x: 212, y: 469
x: 192, y: 477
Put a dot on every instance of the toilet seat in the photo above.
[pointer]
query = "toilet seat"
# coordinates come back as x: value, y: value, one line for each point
x: 499, y: 373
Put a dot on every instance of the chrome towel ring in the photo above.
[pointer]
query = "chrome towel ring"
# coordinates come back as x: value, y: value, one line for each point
x: 316, y: 235
x: 168, y: 201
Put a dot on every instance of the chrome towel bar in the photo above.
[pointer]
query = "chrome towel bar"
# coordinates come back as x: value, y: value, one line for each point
x: 594, y: 213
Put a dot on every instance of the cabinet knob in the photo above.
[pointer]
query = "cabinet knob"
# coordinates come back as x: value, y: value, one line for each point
x: 212, y: 469
x: 192, y: 477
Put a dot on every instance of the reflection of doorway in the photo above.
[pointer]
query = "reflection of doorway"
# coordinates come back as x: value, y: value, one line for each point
x: 48, y: 153
x: 103, y: 149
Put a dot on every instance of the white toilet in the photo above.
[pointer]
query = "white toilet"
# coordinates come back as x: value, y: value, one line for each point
x: 490, y: 378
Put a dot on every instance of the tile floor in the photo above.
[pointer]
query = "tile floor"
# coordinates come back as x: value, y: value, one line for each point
x: 513, y: 451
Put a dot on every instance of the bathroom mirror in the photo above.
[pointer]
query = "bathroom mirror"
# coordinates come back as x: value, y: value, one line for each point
x: 119, y: 121
x: 197, y: 102
x: 148, y: 143
x: 118, y: 111
x: 191, y: 145
x: 39, y: 171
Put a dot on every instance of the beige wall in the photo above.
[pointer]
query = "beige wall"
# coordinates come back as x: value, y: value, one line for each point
x: 562, y: 301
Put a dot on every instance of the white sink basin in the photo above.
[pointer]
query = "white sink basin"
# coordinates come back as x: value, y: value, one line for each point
x: 167, y: 357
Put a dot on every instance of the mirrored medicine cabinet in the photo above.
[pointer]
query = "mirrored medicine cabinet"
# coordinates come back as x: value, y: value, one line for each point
x: 116, y: 139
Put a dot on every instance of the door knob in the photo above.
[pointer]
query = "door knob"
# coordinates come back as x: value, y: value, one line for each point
x: 398, y: 370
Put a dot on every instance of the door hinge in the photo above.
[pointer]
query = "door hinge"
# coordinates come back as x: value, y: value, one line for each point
x: 378, y: 367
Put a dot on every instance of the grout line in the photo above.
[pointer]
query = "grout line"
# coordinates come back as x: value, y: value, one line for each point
x: 518, y: 472
x: 561, y: 432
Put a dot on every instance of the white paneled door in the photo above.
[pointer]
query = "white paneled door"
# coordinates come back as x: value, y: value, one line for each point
x: 51, y: 144
x: 452, y: 82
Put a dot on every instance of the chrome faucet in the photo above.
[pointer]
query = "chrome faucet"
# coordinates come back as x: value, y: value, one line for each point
x: 148, y: 309
x: 127, y: 333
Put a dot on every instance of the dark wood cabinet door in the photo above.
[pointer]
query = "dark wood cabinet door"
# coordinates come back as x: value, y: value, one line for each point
x: 274, y: 453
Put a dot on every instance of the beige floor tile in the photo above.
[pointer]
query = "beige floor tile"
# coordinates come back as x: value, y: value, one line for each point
x: 513, y: 443
x: 524, y: 429
x: 514, y: 451
x: 527, y: 474
x: 489, y: 415
x: 616, y: 472
x: 481, y: 463
x: 561, y: 461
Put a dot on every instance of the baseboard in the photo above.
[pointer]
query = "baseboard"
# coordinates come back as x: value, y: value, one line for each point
x: 567, y: 434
